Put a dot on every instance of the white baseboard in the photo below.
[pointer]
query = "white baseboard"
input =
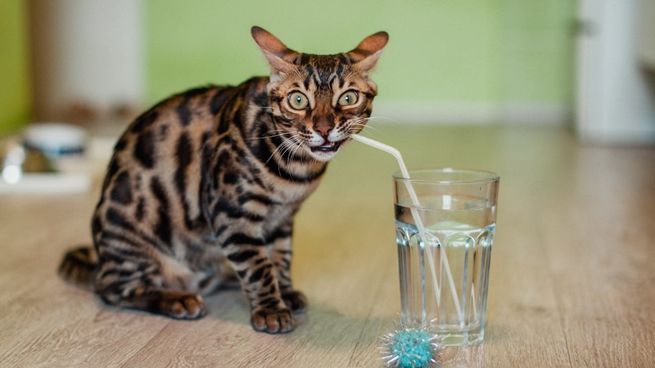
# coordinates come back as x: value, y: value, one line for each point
x: 537, y: 113
x: 472, y: 113
x: 642, y: 136
x: 429, y: 113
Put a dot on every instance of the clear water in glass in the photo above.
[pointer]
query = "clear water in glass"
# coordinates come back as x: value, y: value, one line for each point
x: 459, y: 240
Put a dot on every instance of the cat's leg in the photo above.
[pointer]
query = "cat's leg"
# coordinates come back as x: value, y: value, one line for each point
x: 259, y: 281
x: 281, y: 257
x: 221, y: 277
x: 136, y: 280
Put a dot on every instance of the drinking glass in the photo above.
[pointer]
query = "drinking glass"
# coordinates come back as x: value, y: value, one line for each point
x: 444, y: 269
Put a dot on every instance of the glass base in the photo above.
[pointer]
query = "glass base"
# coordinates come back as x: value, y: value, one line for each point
x: 461, y: 338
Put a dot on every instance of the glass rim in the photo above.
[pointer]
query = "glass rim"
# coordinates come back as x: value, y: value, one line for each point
x: 484, y: 176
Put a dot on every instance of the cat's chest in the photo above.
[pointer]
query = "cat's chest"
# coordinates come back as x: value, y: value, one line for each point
x: 277, y: 216
x: 291, y: 194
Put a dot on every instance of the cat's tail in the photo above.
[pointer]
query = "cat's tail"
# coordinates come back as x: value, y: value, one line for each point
x: 79, y: 267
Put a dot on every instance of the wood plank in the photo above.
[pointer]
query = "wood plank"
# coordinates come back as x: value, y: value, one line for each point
x: 600, y: 231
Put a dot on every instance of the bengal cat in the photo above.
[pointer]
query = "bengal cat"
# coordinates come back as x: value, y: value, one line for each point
x: 202, y: 189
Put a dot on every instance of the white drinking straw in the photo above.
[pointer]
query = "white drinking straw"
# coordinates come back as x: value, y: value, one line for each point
x: 418, y: 221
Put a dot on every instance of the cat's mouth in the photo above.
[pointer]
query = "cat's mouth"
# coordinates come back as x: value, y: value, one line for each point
x: 327, y: 146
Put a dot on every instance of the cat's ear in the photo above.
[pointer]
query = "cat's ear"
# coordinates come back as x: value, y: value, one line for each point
x: 279, y: 56
x: 367, y: 53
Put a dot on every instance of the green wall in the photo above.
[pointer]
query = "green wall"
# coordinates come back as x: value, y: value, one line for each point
x: 15, y: 101
x: 538, y: 50
x: 464, y: 51
x: 461, y: 51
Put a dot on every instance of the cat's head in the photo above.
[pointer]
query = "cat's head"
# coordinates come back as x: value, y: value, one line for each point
x: 318, y: 101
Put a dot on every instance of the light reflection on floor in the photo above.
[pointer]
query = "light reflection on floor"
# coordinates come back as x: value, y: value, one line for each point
x: 461, y: 357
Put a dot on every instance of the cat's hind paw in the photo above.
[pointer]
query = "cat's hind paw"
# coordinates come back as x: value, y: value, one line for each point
x: 181, y: 305
x: 295, y: 300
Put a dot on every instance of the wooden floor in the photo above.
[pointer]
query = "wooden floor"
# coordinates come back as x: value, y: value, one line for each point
x: 572, y: 282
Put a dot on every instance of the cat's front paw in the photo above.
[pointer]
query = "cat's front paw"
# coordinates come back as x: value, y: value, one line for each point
x: 295, y: 300
x: 272, y: 321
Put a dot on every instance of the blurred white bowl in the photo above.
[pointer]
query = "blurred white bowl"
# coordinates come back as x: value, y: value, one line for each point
x: 55, y: 139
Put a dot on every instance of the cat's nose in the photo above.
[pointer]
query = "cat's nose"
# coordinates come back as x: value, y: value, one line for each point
x: 323, y: 130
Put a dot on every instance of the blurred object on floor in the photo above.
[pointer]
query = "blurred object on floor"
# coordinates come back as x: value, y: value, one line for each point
x: 56, y: 140
x: 17, y: 159
x: 49, y: 158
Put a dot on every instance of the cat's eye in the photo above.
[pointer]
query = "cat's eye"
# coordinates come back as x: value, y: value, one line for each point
x: 348, y: 98
x: 298, y: 101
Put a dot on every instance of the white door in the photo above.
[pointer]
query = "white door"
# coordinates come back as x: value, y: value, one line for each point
x: 615, y: 100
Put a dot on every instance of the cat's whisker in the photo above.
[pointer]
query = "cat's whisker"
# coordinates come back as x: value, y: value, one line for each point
x: 361, y: 125
x: 279, y: 149
x: 372, y: 119
x: 358, y: 119
x: 287, y: 145
x: 287, y: 150
x: 365, y: 118
x: 378, y: 117
x: 268, y: 136
x: 290, y: 145
x: 381, y: 118
x: 361, y: 122
x: 361, y: 132
x: 276, y: 133
x: 298, y: 146
x: 272, y: 154
x: 354, y: 123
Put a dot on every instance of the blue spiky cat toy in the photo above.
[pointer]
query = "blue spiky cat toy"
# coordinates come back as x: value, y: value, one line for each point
x: 410, y: 348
